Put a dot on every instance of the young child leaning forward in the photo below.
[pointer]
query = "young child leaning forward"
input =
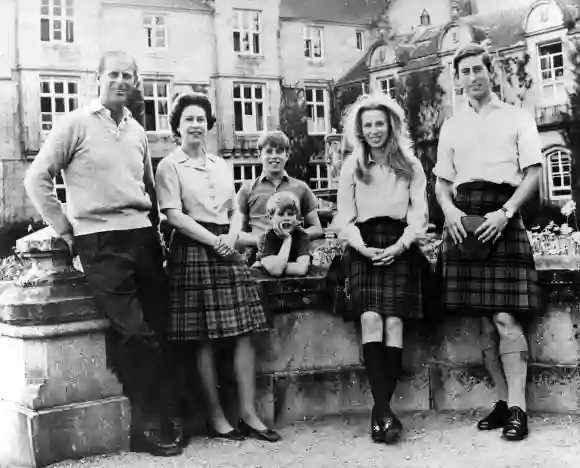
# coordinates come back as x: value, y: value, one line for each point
x: 284, y: 248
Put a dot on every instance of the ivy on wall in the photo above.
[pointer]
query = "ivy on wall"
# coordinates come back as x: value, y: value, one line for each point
x: 293, y: 123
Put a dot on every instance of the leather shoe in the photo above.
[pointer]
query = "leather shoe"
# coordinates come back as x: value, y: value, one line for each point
x: 268, y: 435
x: 385, y: 430
x: 516, y: 427
x: 234, y: 434
x: 153, y: 442
x: 496, y: 419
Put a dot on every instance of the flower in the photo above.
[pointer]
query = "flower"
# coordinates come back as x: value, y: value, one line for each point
x: 568, y: 208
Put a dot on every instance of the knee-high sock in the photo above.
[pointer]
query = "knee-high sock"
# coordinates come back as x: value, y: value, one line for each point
x: 491, y: 357
x: 514, y: 356
x: 393, y: 366
x: 374, y: 361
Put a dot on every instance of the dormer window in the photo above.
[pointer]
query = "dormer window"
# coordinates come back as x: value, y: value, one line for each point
x: 425, y: 18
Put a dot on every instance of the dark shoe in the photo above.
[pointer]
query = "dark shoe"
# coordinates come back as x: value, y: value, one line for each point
x: 516, y: 427
x: 377, y: 428
x: 153, y: 442
x: 234, y: 434
x: 393, y: 429
x: 181, y: 438
x: 268, y: 435
x: 496, y: 419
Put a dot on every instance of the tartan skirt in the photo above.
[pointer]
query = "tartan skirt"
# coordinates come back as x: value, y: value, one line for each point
x: 506, y: 281
x: 211, y: 297
x: 393, y: 290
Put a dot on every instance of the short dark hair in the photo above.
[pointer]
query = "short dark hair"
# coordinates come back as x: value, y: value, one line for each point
x: 185, y: 100
x: 472, y: 50
x: 116, y: 53
x: 275, y: 139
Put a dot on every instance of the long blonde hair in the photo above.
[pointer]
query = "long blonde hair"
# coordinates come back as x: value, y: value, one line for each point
x: 400, y: 155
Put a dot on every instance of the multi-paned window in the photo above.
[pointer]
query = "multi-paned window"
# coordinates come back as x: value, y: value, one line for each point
x: 319, y: 176
x: 56, y: 20
x: 155, y: 31
x: 57, y: 97
x: 316, y: 110
x: 249, y: 107
x: 156, y: 98
x: 246, y: 33
x: 313, y: 42
x: 360, y: 40
x: 388, y: 86
x: 245, y: 171
x: 552, y: 70
x: 559, y: 165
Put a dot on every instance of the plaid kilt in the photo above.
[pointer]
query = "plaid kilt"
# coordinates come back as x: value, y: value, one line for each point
x: 506, y: 281
x: 393, y: 290
x: 211, y: 297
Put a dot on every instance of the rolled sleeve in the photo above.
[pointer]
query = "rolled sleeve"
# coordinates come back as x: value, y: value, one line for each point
x: 445, y: 168
x: 418, y: 212
x: 168, y: 187
x: 529, y: 142
x: 243, y: 197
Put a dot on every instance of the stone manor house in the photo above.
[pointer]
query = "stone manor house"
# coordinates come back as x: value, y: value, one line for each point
x: 244, y: 53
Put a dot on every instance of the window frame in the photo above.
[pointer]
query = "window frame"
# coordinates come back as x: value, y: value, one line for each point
x: 65, y: 95
x: 316, y: 103
x: 152, y: 28
x: 66, y: 19
x: 555, y: 82
x: 561, y: 153
x: 320, y: 182
x: 156, y: 98
x: 255, y: 168
x: 308, y: 36
x: 254, y: 103
x: 252, y: 34
x: 360, y: 40
x: 390, y: 89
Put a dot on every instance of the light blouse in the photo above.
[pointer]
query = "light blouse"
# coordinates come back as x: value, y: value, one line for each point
x: 204, y: 192
x: 386, y: 194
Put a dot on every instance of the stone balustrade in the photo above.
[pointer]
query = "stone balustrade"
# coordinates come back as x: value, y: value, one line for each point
x: 59, y: 401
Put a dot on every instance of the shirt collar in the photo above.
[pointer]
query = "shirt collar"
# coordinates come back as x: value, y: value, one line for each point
x: 263, y: 177
x: 181, y: 157
x: 97, y: 107
x: 494, y: 102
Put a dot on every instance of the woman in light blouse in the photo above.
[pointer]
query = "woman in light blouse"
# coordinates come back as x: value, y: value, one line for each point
x: 382, y: 212
x: 213, y: 296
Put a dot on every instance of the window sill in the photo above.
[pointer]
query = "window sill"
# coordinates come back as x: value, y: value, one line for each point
x: 250, y: 57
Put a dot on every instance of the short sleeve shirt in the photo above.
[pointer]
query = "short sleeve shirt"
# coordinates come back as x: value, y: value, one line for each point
x: 205, y: 192
x: 270, y: 244
x: 254, y: 195
x: 494, y: 145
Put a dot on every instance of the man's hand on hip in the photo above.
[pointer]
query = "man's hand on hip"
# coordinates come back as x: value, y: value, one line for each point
x: 454, y: 225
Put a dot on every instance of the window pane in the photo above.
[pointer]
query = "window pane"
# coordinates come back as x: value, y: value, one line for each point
x: 44, y: 10
x: 162, y: 89
x: 256, y: 44
x: 45, y: 104
x: 237, y: 93
x: 57, y: 11
x: 59, y: 87
x: 72, y: 104
x: 44, y: 30
x: 237, y: 41
x: 237, y: 172
x: 150, y: 115
x: 147, y: 20
x: 256, y: 21
x: 238, y: 118
x: 148, y: 89
x: 259, y: 117
x: 57, y: 35
x: 159, y: 20
x: 163, y: 123
x: 44, y: 87
x: 310, y: 111
x: 320, y: 111
x: 248, y: 108
x: 558, y: 61
x: 160, y: 33
x: 309, y: 94
x: 57, y: 3
x: 248, y: 92
x: 258, y: 92
x: 72, y: 88
x: 69, y: 12
x: 160, y: 42
x: 59, y: 105
x: 162, y: 107
x: 319, y: 95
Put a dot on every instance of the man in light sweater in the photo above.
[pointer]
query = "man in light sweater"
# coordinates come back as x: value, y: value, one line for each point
x: 111, y: 221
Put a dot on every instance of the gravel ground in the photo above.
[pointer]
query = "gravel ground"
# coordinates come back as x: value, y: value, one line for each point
x: 430, y: 441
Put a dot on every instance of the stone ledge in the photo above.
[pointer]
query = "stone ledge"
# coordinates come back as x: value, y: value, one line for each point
x: 35, y: 332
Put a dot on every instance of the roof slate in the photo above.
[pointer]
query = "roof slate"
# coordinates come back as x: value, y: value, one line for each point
x: 339, y: 11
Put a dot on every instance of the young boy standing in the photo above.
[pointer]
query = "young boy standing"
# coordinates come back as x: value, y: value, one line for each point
x: 253, y: 196
x: 285, y: 247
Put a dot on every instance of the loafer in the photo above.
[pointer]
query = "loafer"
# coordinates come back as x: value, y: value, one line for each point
x: 154, y: 443
x: 496, y: 419
x: 386, y: 429
x: 234, y: 434
x: 516, y: 427
x: 268, y: 435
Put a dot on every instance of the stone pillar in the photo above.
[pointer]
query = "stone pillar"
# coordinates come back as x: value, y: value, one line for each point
x: 58, y: 400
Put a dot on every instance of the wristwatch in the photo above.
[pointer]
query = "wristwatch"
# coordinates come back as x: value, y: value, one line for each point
x: 508, y: 213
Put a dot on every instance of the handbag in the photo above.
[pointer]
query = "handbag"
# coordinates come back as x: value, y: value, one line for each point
x: 472, y: 248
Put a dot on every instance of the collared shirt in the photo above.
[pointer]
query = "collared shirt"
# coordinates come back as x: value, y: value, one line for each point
x: 97, y: 107
x: 270, y: 244
x: 386, y: 194
x: 494, y: 145
x: 254, y: 195
x: 203, y: 192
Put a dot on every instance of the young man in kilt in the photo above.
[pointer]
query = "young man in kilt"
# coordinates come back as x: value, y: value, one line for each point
x: 112, y: 223
x: 489, y: 165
